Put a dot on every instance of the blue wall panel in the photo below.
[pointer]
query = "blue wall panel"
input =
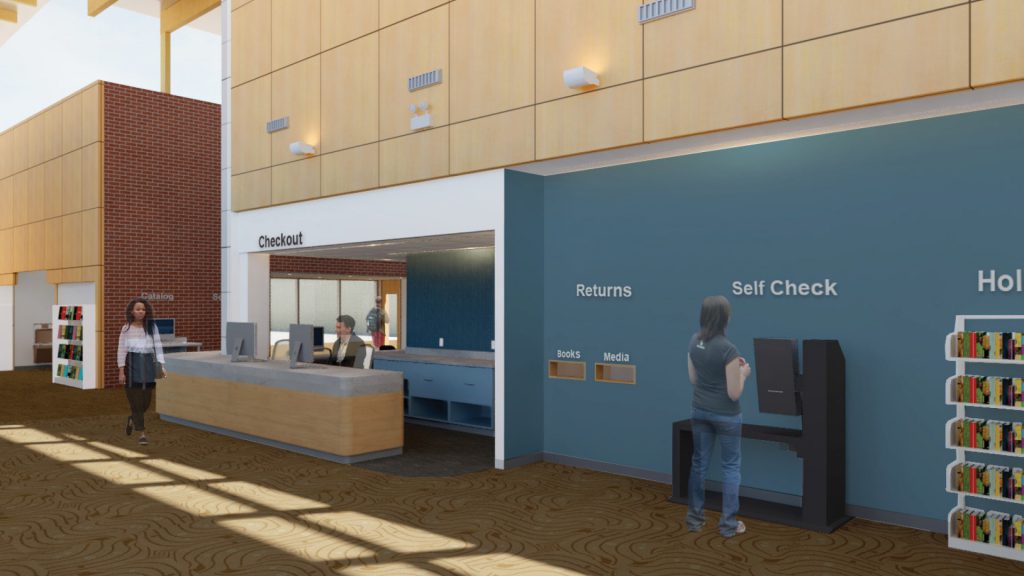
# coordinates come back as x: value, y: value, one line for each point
x: 524, y: 315
x: 451, y: 296
x: 901, y: 216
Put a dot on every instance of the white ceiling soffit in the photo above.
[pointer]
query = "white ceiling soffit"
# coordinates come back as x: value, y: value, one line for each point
x: 396, y: 249
x: 209, y: 22
x: 905, y: 111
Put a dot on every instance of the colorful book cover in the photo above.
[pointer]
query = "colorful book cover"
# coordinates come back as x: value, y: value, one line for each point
x: 78, y: 312
x: 996, y: 338
x: 983, y: 438
x: 984, y: 529
x: 1018, y: 531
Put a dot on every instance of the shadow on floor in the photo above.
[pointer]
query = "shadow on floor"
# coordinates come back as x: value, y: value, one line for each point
x: 431, y: 451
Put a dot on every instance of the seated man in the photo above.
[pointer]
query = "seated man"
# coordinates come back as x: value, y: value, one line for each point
x: 348, y: 350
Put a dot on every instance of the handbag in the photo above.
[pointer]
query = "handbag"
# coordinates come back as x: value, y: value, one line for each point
x: 158, y: 370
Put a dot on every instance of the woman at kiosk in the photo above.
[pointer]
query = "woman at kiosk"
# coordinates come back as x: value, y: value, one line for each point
x: 717, y: 372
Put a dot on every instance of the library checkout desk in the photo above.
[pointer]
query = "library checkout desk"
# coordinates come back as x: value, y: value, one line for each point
x: 447, y: 387
x: 341, y: 414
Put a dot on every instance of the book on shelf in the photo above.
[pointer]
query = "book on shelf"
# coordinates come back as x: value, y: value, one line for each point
x: 988, y: 345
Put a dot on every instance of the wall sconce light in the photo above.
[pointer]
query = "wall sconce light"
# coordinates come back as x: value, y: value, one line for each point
x: 301, y: 149
x: 580, y: 77
x: 420, y: 117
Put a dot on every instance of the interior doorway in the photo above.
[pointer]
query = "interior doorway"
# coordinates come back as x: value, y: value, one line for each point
x: 391, y: 298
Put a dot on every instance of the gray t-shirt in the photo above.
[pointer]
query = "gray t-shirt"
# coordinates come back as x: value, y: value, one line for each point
x: 709, y: 360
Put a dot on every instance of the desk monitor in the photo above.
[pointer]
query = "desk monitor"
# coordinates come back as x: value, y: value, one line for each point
x: 777, y: 372
x: 300, y: 343
x: 166, y: 327
x: 241, y: 340
x: 318, y: 338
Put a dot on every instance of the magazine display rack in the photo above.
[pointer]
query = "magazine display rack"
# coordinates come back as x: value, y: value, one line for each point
x: 74, y: 345
x: 995, y: 435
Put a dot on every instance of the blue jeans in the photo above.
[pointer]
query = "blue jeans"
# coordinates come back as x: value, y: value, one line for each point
x: 706, y: 427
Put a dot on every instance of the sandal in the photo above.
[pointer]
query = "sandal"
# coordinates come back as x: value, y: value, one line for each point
x: 129, y: 428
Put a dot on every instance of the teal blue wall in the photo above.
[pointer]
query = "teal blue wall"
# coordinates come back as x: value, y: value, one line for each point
x: 524, y: 314
x: 450, y: 295
x: 902, y: 216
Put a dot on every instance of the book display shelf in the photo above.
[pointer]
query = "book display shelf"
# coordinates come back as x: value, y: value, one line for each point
x: 74, y: 346
x: 989, y: 420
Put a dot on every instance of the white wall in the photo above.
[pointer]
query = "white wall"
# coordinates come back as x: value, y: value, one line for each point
x: 33, y: 299
x: 6, y: 328
x: 76, y: 293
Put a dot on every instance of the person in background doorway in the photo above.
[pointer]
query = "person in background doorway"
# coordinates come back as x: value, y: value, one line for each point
x: 376, y: 323
x: 140, y: 361
x: 348, y: 350
x: 717, y: 372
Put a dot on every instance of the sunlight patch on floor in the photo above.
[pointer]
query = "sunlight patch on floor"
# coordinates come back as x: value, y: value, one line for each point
x: 122, y: 473
x: 117, y: 450
x: 296, y: 539
x: 398, y: 537
x: 273, y: 499
x: 22, y: 435
x: 504, y: 563
x: 195, y: 501
x: 67, y: 452
x: 181, y: 470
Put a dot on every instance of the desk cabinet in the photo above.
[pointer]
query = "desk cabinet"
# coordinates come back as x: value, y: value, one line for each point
x: 459, y: 395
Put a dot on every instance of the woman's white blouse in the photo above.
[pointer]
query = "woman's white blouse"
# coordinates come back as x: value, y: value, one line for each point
x: 135, y: 339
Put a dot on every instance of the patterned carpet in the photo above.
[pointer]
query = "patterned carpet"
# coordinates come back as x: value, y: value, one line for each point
x: 79, y: 498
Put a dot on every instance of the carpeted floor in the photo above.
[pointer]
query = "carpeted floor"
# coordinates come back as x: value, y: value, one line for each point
x: 79, y: 498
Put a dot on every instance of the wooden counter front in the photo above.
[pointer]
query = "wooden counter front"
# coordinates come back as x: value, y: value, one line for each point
x: 341, y: 414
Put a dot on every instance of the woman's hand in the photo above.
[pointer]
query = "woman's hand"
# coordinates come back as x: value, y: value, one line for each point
x: 744, y: 368
x: 163, y: 371
x: 120, y: 376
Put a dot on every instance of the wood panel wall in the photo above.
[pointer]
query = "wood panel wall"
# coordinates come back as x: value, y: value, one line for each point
x: 502, y: 101
x: 51, y: 201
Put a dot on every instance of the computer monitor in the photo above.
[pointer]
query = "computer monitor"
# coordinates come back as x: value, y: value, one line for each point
x: 318, y: 338
x: 777, y: 370
x: 166, y: 327
x: 241, y: 340
x: 300, y: 343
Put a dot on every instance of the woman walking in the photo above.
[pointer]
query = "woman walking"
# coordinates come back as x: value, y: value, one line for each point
x: 717, y: 372
x: 140, y: 361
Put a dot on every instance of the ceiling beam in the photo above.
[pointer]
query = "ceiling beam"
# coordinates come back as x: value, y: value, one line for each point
x: 182, y: 12
x: 9, y: 13
x: 97, y: 6
x: 26, y: 2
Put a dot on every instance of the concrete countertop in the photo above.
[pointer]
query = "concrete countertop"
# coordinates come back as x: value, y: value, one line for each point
x: 401, y: 356
x: 316, y: 378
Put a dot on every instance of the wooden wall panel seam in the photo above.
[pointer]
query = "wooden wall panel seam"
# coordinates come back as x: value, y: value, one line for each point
x: 881, y: 23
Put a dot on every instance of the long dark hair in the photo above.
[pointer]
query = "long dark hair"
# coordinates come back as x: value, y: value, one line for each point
x: 714, y: 317
x: 147, y: 323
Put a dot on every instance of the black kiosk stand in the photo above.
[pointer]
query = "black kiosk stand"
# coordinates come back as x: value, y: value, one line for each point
x: 821, y: 393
